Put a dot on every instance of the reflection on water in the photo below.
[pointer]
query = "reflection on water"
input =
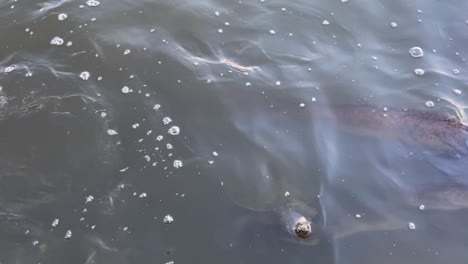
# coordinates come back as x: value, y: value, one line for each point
x: 236, y: 118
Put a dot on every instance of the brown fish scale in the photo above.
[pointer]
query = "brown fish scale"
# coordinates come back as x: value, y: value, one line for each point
x: 410, y: 126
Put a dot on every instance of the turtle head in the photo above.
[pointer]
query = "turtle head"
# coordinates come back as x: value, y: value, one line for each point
x: 302, y: 223
x: 303, y: 227
x: 297, y: 224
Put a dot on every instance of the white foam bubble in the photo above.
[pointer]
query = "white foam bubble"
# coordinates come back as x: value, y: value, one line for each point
x: 174, y: 130
x: 56, y: 41
x: 92, y: 3
x: 85, y: 75
x: 416, y: 52
x: 62, y: 16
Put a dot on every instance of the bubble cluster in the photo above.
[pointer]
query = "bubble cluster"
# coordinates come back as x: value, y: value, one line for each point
x: 55, y: 222
x: 92, y: 3
x: 168, y: 219
x: 56, y: 41
x: 68, y: 234
x: 125, y: 89
x: 166, y: 120
x: 89, y: 198
x: 9, y: 69
x: 177, y: 164
x: 419, y: 71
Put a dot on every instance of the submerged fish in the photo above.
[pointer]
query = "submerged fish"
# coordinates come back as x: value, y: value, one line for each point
x: 430, y: 129
x: 274, y: 149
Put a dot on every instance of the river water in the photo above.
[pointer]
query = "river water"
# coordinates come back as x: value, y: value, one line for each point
x: 178, y: 131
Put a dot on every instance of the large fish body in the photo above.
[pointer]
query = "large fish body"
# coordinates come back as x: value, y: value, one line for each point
x: 428, y: 128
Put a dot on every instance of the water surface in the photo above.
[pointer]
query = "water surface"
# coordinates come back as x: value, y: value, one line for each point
x: 114, y: 114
